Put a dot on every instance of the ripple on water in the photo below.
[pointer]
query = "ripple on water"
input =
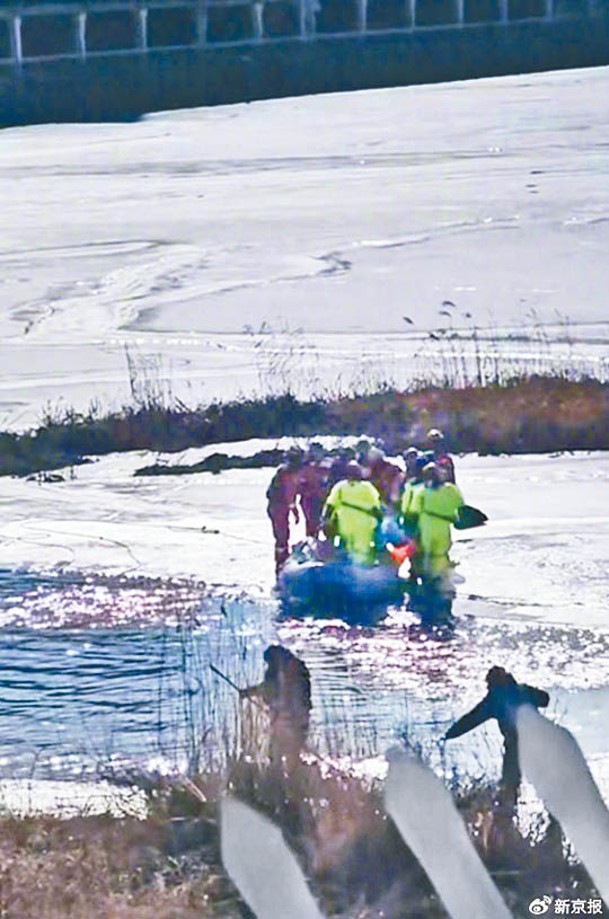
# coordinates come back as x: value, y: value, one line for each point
x: 116, y: 671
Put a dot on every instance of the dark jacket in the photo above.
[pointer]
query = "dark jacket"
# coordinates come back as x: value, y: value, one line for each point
x: 501, y: 702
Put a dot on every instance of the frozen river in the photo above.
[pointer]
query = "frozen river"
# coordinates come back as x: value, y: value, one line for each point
x: 307, y: 242
x: 310, y: 243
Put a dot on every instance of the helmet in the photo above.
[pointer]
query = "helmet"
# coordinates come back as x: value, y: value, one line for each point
x: 276, y: 658
x: 275, y: 653
x: 434, y: 434
x: 375, y: 454
x: 431, y: 471
x: 353, y: 470
x: 363, y: 446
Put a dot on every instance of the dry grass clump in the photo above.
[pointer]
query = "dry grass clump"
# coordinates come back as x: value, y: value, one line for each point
x: 525, y: 414
x: 110, y: 869
x: 169, y: 866
x: 528, y: 415
x: 352, y: 855
x: 524, y: 862
x: 65, y: 436
x: 359, y: 866
x: 538, y: 414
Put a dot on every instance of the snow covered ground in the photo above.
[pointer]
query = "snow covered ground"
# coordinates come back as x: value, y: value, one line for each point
x: 322, y: 220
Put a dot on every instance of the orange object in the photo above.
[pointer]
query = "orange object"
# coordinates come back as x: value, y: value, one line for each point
x: 399, y: 554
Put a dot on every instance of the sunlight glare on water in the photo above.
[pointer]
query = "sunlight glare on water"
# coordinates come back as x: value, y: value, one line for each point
x: 113, y: 675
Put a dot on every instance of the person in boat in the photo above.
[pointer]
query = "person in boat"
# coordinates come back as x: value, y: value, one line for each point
x: 502, y: 700
x: 282, y: 501
x: 352, y: 513
x: 436, y: 447
x: 435, y: 506
x: 387, y: 477
x: 286, y: 692
x: 313, y: 487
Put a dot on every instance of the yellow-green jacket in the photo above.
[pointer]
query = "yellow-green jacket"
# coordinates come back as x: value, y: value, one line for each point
x: 354, y: 507
x: 408, y: 506
x: 437, y: 509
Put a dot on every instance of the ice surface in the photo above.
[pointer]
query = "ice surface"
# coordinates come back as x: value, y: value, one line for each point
x: 174, y: 234
x: 541, y: 556
x: 21, y: 798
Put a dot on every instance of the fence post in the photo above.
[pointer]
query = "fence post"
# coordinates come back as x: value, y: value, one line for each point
x: 362, y: 15
x: 460, y: 11
x: 201, y: 22
x: 306, y: 17
x: 258, y: 20
x: 412, y: 9
x: 302, y: 18
x: 549, y: 11
x: 141, y: 29
x: 80, y: 34
x: 16, y: 46
x: 504, y: 10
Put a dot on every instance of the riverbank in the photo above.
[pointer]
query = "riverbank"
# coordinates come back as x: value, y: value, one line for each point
x: 170, y: 864
x: 538, y: 414
x: 215, y: 60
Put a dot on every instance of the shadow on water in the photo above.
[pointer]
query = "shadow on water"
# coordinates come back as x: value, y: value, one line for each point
x: 110, y: 675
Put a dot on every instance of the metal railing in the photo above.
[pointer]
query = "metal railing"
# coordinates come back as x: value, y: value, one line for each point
x: 48, y: 29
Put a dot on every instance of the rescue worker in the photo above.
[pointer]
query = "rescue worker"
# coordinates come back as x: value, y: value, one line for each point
x: 286, y: 692
x: 411, y: 455
x: 501, y: 702
x: 362, y: 449
x: 282, y: 496
x: 352, y: 513
x: 409, y: 514
x: 338, y: 466
x: 436, y: 506
x: 435, y: 444
x: 313, y: 487
x: 386, y: 476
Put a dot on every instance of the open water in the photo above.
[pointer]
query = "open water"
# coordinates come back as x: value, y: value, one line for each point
x: 130, y: 690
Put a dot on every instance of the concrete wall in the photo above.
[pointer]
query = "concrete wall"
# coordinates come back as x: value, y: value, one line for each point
x: 122, y: 87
